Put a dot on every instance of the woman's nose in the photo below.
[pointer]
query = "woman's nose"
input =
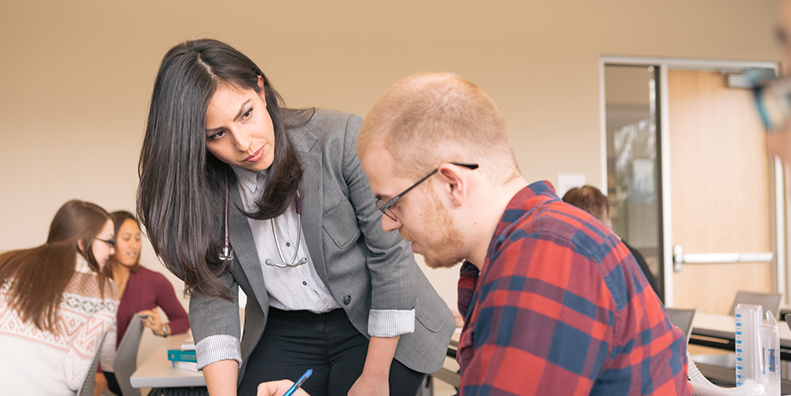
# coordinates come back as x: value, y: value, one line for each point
x: 242, y: 140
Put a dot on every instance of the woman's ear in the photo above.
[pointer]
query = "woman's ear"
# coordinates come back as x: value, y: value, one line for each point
x: 81, y: 245
x: 261, y: 91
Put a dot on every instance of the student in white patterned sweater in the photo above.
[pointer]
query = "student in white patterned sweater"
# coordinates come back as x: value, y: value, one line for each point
x: 55, y: 305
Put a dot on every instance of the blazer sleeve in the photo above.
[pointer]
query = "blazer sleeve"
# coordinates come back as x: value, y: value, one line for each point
x: 215, y: 325
x: 390, y: 260
x: 166, y: 298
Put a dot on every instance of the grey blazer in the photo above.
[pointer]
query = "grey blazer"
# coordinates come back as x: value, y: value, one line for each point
x: 363, y: 267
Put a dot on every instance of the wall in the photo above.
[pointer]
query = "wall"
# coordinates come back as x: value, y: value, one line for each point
x: 76, y: 76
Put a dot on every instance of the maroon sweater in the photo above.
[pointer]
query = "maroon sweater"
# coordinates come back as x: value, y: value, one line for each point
x: 147, y: 289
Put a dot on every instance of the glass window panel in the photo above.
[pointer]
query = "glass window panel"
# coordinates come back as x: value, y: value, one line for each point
x: 633, y: 179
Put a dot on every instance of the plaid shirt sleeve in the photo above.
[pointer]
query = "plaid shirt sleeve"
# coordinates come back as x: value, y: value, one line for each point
x: 560, y: 309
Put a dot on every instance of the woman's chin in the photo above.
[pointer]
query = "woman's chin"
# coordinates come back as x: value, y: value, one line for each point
x: 125, y: 264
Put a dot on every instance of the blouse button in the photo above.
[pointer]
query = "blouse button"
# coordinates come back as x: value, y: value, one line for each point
x: 288, y: 244
x: 304, y: 283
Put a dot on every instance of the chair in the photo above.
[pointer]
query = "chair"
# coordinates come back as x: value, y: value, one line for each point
x: 682, y: 318
x: 126, y: 356
x: 770, y: 302
x: 90, y: 379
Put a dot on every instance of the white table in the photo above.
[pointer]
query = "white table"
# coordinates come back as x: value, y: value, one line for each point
x: 158, y: 372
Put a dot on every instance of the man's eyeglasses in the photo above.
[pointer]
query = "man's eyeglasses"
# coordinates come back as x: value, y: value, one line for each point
x: 109, y: 242
x: 385, y: 207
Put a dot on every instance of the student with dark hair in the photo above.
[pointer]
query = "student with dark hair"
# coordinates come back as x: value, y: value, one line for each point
x: 55, y: 304
x: 236, y: 190
x: 593, y: 201
x: 141, y: 291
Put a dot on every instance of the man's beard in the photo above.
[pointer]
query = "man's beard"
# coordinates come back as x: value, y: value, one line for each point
x: 448, y: 244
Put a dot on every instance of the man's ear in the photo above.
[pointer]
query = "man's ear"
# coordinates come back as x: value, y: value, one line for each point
x: 454, y: 183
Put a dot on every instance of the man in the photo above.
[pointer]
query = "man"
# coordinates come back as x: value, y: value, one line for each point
x: 554, y: 303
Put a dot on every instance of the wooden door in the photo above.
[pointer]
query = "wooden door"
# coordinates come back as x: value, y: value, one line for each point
x: 720, y: 188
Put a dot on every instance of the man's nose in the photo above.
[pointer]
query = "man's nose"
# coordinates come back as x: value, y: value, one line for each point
x: 389, y: 224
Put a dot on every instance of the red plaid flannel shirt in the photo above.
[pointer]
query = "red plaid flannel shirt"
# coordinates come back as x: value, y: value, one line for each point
x: 562, y: 308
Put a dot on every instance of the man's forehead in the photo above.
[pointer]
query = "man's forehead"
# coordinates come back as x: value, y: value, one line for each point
x: 377, y: 162
x: 379, y: 167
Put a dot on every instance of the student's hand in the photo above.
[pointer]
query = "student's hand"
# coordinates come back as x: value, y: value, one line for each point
x: 369, y: 386
x: 278, y: 388
x: 154, y: 321
x: 100, y: 384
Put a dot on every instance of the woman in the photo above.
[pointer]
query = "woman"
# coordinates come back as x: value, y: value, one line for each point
x: 141, y: 291
x: 55, y: 304
x: 238, y: 191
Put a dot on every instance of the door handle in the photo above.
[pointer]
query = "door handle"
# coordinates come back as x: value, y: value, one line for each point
x: 680, y: 258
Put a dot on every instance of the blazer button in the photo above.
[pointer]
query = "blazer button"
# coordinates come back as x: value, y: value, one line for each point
x: 347, y: 300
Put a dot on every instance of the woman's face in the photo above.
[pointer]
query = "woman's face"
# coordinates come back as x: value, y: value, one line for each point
x: 239, y: 130
x: 102, y: 250
x: 127, y: 243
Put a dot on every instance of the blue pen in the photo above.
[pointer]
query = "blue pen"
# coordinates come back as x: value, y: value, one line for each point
x: 299, y: 383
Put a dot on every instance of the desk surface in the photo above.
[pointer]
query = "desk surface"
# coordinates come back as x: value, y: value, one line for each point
x: 724, y: 326
x: 158, y: 372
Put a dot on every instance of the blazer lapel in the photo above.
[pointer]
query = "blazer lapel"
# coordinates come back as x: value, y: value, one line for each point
x: 244, y: 246
x: 311, y: 189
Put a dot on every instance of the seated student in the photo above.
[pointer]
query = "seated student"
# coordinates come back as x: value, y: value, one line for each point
x: 141, y: 291
x: 552, y: 298
x: 593, y: 201
x: 55, y: 304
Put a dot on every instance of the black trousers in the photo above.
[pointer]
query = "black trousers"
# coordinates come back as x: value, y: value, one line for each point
x: 112, y: 383
x: 295, y: 341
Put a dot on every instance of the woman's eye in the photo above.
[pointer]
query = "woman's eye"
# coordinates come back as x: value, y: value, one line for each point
x: 247, y: 113
x: 216, y: 136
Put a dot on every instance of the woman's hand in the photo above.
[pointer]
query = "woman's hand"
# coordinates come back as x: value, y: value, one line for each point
x: 369, y: 386
x: 153, y: 322
x: 278, y: 388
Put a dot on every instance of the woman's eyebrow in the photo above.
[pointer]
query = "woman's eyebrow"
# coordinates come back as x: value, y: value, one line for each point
x: 235, y: 118
x: 241, y: 109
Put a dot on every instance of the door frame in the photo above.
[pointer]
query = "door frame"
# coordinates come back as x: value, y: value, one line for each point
x: 776, y: 172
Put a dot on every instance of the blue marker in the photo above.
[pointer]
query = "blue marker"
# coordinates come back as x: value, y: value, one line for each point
x: 299, y: 383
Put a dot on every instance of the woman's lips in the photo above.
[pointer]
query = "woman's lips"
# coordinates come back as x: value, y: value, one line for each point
x: 256, y: 156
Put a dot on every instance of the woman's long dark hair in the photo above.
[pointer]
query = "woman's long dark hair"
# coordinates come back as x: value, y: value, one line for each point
x: 37, y: 277
x: 181, y: 194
